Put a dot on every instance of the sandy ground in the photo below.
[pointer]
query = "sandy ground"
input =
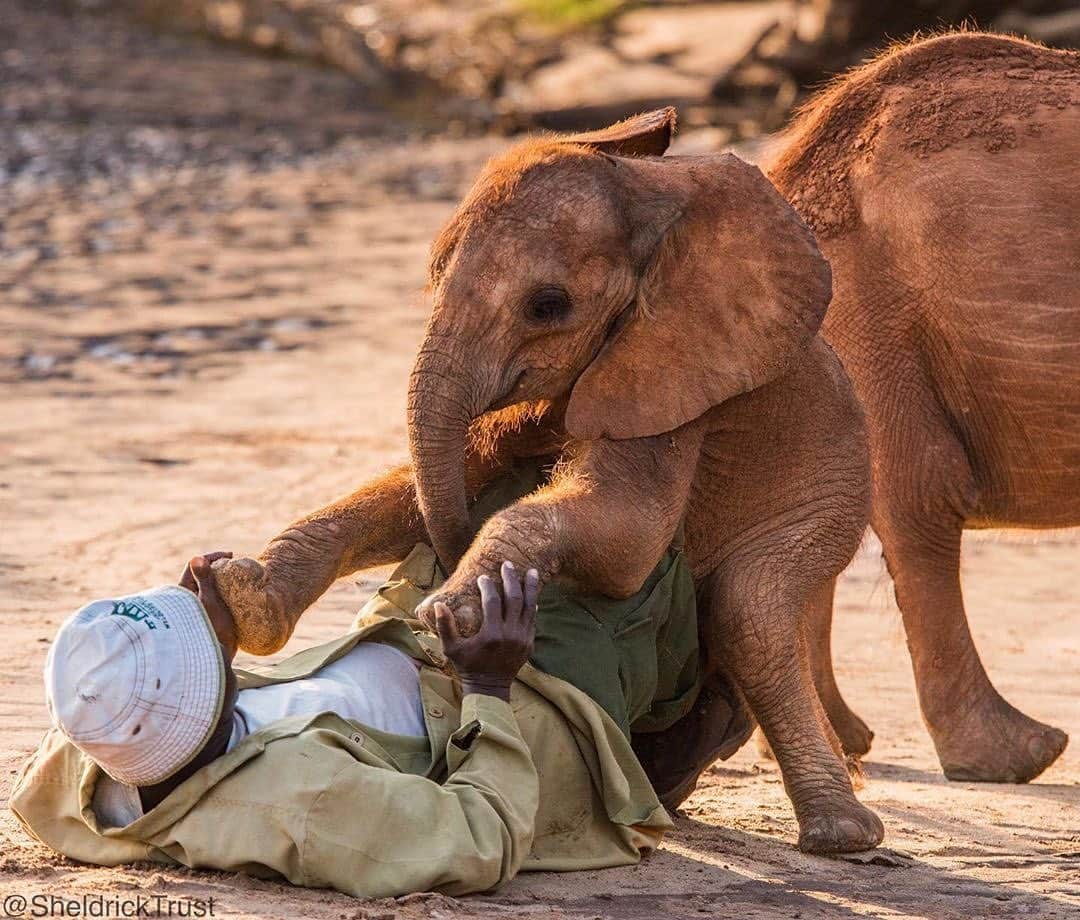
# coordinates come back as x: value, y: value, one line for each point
x: 188, y: 362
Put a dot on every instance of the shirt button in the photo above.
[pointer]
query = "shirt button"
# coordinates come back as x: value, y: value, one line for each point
x: 358, y: 738
x: 435, y: 712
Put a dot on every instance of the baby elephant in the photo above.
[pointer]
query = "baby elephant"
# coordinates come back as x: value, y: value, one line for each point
x: 653, y: 322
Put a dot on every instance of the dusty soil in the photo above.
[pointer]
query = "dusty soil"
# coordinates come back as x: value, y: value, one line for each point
x: 193, y: 355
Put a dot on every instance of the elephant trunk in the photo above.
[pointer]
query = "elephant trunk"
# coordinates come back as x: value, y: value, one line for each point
x: 443, y: 401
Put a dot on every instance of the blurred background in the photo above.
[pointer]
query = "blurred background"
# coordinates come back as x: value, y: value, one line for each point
x: 513, y: 64
x: 122, y: 118
x: 443, y: 66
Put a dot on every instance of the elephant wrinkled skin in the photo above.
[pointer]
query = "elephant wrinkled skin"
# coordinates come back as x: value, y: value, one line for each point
x: 941, y: 181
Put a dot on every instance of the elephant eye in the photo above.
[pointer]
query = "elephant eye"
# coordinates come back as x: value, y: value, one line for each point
x: 548, y: 305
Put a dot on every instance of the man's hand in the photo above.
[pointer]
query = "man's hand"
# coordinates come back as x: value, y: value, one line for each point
x: 488, y: 661
x: 199, y: 580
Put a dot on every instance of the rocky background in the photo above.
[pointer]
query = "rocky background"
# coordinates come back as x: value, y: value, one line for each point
x: 566, y: 63
x: 93, y: 87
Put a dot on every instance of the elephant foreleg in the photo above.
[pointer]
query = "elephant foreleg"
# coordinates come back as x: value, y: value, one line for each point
x: 375, y: 525
x: 603, y: 522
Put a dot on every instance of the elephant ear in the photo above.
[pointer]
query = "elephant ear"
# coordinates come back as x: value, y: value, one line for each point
x: 648, y: 134
x: 730, y: 292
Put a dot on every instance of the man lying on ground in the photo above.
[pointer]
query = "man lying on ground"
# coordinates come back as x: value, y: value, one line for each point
x: 385, y: 762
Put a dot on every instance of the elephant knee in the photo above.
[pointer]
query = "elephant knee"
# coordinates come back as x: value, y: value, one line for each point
x: 753, y: 620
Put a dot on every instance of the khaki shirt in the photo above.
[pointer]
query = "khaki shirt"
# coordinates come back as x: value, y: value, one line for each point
x: 547, y: 781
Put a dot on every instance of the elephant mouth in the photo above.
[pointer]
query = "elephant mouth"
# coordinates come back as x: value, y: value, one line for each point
x: 513, y: 395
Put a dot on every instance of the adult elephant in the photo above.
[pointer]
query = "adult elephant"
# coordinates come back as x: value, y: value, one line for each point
x: 941, y: 182
x: 653, y: 321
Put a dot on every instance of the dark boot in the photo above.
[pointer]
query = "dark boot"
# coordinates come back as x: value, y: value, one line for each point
x: 718, y: 725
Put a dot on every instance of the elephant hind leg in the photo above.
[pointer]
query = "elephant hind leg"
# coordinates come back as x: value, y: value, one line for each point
x: 756, y: 618
x: 852, y: 732
x: 978, y: 735
x: 855, y: 737
x: 919, y: 510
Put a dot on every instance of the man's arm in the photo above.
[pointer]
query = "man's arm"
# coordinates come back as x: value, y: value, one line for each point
x: 471, y: 833
x: 474, y: 831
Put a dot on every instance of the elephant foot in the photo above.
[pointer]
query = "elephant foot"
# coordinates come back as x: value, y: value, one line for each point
x: 263, y: 625
x: 467, y: 619
x: 849, y: 830
x: 997, y: 743
x: 854, y: 734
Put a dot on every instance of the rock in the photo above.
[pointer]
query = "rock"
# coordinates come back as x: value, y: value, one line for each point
x: 882, y: 856
x: 39, y: 364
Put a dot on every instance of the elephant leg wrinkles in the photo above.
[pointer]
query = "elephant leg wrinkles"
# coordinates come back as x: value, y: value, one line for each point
x: 761, y: 600
x: 855, y: 737
x: 377, y: 524
x: 923, y: 494
x: 978, y: 735
x: 603, y: 522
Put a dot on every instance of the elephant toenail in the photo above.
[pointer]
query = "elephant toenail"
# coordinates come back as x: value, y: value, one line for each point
x: 848, y: 830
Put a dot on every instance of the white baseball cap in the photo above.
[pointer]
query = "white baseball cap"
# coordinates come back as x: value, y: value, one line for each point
x: 137, y: 683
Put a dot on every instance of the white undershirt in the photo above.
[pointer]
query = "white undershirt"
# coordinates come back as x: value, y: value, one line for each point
x: 373, y: 684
